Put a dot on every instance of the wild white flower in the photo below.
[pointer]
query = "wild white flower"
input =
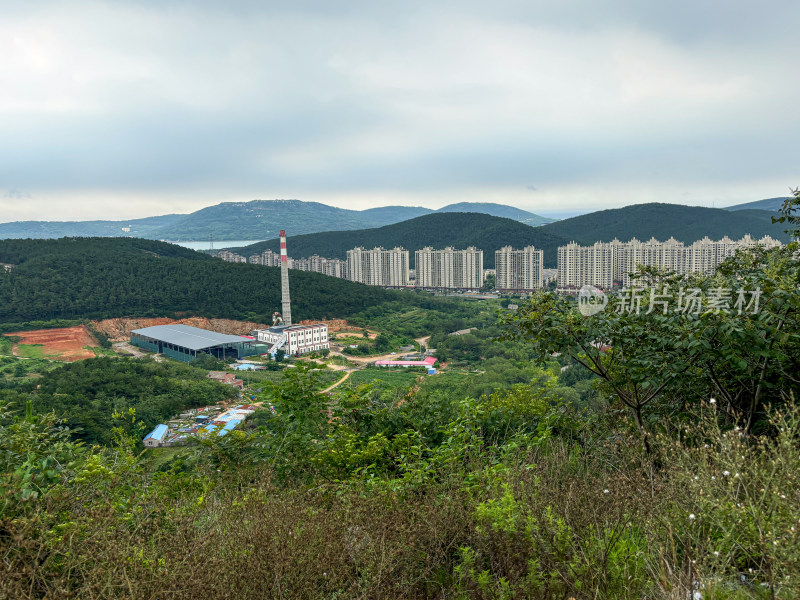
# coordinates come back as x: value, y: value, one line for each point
x: 726, y: 473
x: 712, y: 401
x: 692, y: 517
x: 716, y: 553
x: 713, y: 477
x: 606, y: 491
x: 783, y: 496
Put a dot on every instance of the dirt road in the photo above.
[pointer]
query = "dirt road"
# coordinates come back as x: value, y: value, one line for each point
x: 337, y: 384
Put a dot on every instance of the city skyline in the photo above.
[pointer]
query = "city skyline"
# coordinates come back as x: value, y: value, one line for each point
x: 131, y: 109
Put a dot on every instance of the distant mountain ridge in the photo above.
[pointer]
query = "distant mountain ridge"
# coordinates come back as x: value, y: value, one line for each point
x: 256, y: 219
x: 141, y: 228
x: 460, y: 230
x: 497, y: 210
x: 771, y: 204
x: 661, y: 221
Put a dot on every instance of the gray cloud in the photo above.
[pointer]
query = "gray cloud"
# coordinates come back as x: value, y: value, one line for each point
x: 126, y: 106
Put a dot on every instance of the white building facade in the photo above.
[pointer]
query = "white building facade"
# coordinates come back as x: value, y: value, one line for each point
x: 518, y: 270
x: 386, y: 268
x: 449, y: 268
x: 296, y: 340
x: 606, y: 264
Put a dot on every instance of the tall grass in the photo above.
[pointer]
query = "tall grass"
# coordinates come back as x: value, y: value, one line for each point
x: 713, y: 513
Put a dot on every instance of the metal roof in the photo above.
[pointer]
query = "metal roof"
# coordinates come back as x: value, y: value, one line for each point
x: 428, y: 362
x: 157, y: 433
x: 185, y: 336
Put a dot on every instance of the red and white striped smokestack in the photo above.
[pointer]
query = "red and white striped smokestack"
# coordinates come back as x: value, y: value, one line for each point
x: 286, y: 300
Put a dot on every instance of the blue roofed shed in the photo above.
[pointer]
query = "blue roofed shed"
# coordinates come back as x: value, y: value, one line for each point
x: 229, y: 426
x: 156, y: 437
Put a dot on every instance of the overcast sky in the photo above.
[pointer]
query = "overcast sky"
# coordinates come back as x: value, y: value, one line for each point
x: 131, y: 108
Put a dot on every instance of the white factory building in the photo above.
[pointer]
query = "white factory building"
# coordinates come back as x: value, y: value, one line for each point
x: 295, y: 339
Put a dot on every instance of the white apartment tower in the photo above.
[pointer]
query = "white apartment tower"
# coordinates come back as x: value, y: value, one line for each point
x: 386, y: 268
x: 449, y: 268
x: 605, y: 264
x: 518, y: 270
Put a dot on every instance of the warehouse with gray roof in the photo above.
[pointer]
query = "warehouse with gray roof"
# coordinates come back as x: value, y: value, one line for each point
x: 186, y: 343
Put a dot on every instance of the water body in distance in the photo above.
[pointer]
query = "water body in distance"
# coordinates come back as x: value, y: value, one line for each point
x: 206, y: 245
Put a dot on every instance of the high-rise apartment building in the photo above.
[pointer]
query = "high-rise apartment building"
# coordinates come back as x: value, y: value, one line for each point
x: 518, y: 270
x: 387, y: 268
x: 229, y: 256
x: 449, y: 268
x: 318, y: 264
x: 605, y: 264
x: 268, y: 258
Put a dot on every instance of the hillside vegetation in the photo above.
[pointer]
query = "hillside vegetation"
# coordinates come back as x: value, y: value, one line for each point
x: 770, y: 204
x: 460, y: 230
x: 685, y: 223
x: 535, y: 466
x: 103, y: 277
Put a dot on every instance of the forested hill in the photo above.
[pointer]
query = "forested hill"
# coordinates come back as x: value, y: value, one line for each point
x: 438, y: 230
x: 103, y: 277
x: 460, y: 230
x: 770, y: 204
x: 685, y: 223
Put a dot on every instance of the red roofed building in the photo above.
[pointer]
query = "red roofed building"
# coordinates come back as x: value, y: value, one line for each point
x: 428, y: 362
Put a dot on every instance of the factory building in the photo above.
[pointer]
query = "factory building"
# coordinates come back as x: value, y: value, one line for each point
x: 295, y: 340
x: 449, y: 268
x: 518, y: 270
x: 186, y: 343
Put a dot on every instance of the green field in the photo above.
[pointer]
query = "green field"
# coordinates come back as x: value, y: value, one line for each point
x: 31, y: 350
x: 384, y: 377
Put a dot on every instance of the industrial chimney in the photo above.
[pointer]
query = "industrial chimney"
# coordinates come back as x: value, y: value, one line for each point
x: 285, y: 298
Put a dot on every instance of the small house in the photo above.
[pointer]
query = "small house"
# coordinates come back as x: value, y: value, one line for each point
x: 156, y: 437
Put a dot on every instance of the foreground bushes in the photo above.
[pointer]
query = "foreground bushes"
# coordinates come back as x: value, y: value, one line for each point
x: 542, y: 516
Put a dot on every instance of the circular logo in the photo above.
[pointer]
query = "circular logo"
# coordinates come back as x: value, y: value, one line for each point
x: 591, y: 300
